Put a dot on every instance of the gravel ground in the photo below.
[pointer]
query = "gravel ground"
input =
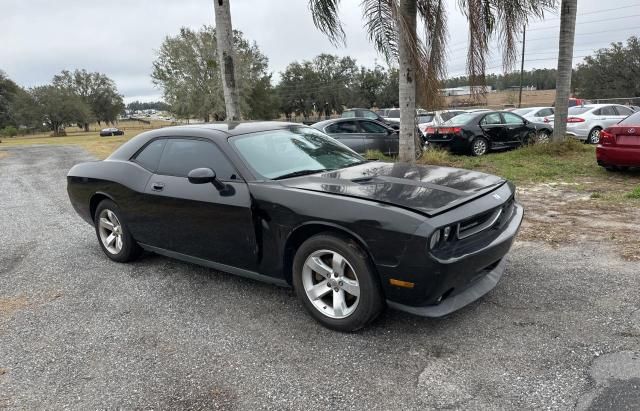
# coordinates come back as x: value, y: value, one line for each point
x: 560, y: 331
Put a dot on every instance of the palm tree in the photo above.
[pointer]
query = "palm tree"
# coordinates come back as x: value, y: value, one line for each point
x: 391, y: 25
x: 226, y: 59
x: 568, y: 11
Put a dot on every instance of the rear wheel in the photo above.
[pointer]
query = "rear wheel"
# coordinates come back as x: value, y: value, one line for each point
x: 114, y: 237
x: 594, y: 136
x: 479, y: 146
x: 336, y: 283
x: 543, y: 137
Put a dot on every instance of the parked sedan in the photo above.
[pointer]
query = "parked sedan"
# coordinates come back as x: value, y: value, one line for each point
x: 480, y: 132
x: 535, y: 114
x: 586, y: 122
x: 435, y: 118
x: 361, y: 134
x: 369, y: 114
x: 286, y: 204
x: 111, y: 131
x: 619, y: 146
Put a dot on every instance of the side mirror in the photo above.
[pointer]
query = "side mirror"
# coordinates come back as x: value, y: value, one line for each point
x: 203, y: 176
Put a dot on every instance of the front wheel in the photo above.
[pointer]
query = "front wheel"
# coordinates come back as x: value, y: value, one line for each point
x: 479, y: 146
x: 114, y: 237
x: 594, y: 136
x: 336, y: 283
x: 543, y: 137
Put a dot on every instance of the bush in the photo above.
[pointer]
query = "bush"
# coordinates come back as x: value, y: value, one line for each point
x: 634, y: 194
x: 9, y: 131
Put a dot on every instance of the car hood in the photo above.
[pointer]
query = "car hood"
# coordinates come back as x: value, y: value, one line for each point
x: 429, y: 190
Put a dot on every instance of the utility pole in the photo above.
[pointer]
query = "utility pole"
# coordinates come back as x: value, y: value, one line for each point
x: 524, y: 33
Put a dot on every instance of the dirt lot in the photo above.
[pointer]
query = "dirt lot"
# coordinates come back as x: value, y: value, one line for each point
x: 78, y: 331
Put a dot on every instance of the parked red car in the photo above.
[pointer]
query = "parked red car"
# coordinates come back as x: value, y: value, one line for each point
x: 619, y: 146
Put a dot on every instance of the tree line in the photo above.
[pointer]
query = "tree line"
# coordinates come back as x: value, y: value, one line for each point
x: 77, y: 97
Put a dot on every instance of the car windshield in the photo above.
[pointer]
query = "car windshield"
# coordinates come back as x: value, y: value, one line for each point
x: 425, y: 118
x: 393, y: 113
x: 632, y: 120
x: 522, y: 111
x: 578, y: 110
x: 460, y: 119
x: 296, y: 150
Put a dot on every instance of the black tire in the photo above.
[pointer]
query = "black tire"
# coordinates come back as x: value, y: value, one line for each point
x: 543, y: 137
x: 594, y: 136
x: 611, y: 168
x: 130, y: 249
x: 479, y: 146
x: 370, y: 302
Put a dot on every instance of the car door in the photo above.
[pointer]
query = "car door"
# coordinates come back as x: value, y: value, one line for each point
x: 539, y: 116
x: 348, y: 133
x: 379, y: 137
x: 493, y: 129
x: 516, y: 129
x: 196, y: 219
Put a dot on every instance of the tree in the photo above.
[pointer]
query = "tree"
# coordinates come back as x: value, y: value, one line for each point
x: 8, y: 92
x: 610, y: 72
x: 568, y: 11
x: 187, y: 70
x: 391, y: 25
x: 97, y: 90
x: 227, y: 59
x: 58, y: 107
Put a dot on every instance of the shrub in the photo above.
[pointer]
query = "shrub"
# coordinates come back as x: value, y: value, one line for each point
x: 635, y: 193
x: 9, y: 131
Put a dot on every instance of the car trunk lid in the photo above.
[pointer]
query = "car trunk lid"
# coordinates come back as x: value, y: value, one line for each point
x: 625, y: 135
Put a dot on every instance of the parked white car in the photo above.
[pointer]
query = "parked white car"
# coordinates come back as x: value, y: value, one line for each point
x: 536, y: 114
x: 586, y: 122
x: 435, y: 118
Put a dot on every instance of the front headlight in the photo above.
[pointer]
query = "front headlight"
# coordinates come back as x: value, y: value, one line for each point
x: 440, y: 236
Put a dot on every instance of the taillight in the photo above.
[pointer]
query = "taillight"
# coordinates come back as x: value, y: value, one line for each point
x: 546, y: 119
x: 430, y: 130
x: 575, y: 120
x: 450, y: 130
x: 606, y: 137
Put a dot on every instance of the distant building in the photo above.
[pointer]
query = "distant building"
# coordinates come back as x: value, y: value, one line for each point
x: 465, y: 90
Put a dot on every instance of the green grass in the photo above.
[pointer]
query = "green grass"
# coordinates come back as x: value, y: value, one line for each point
x: 634, y: 194
x: 564, y: 161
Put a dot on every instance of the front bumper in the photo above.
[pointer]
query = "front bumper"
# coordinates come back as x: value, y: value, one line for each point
x: 462, y: 272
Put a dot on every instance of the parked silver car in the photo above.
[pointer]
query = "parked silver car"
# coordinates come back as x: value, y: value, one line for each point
x: 586, y: 122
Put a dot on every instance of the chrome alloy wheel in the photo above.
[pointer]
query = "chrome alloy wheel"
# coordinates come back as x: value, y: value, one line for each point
x: 110, y: 231
x: 479, y: 146
x: 331, y: 284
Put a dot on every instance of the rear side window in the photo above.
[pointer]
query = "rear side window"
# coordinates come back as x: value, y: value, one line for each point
x: 545, y: 112
x: 511, y: 118
x: 393, y: 114
x: 149, y: 157
x: 348, y: 114
x: 369, y: 114
x: 493, y: 118
x: 632, y: 120
x: 608, y: 111
x: 180, y: 156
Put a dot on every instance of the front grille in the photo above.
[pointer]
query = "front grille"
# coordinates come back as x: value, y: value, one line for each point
x: 485, y: 221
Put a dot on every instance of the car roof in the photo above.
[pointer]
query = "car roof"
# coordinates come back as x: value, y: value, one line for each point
x: 237, y: 127
x: 325, y: 123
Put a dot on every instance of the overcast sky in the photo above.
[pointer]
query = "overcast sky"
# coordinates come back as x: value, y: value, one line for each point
x: 39, y: 38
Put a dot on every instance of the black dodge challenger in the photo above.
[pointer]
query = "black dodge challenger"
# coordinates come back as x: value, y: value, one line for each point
x: 286, y: 204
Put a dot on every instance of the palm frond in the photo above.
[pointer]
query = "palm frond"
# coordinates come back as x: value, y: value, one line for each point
x: 325, y: 18
x: 481, y: 24
x: 432, y: 67
x: 380, y: 21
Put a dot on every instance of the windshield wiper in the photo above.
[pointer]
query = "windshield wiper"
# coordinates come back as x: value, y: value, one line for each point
x: 301, y: 173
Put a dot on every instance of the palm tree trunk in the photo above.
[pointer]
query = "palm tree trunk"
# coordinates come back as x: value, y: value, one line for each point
x: 565, y: 66
x: 226, y: 58
x: 407, y: 90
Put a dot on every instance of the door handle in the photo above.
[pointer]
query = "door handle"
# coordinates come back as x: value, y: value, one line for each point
x: 157, y: 186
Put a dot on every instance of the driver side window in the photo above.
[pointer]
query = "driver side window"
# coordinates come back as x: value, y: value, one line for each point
x: 180, y: 156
